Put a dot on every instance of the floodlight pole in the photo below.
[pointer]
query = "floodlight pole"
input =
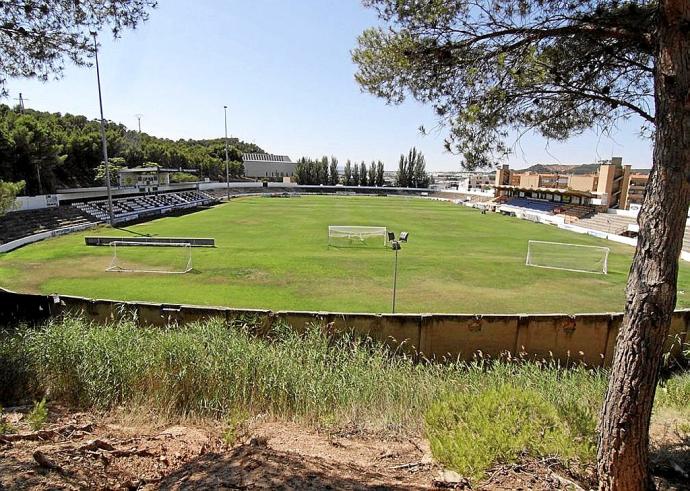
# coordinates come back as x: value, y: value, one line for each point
x: 227, y: 165
x: 103, y: 139
x: 396, y: 248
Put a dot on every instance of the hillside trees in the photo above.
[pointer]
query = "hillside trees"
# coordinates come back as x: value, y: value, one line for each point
x: 51, y: 150
x: 495, y: 68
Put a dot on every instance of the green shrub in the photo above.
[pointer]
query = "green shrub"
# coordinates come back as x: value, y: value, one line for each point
x: 5, y: 426
x: 38, y: 415
x: 469, y: 432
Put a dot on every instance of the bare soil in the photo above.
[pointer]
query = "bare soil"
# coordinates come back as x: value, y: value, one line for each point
x: 76, y: 450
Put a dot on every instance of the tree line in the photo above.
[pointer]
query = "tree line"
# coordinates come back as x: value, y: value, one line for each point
x: 49, y: 151
x: 411, y: 172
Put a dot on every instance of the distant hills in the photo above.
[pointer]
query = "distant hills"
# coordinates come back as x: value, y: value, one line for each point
x: 569, y: 169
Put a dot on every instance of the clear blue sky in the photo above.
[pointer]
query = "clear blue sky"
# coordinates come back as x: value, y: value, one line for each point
x: 284, y: 69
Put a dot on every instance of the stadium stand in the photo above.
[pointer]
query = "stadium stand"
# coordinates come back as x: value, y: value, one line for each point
x: 533, y: 205
x: 606, y: 222
x: 136, y: 207
x: 576, y: 212
x: 19, y: 224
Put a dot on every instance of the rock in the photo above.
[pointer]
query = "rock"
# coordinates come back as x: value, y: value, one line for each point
x: 452, y: 480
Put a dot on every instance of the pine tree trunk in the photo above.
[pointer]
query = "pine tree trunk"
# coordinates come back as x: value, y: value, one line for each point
x: 623, y: 458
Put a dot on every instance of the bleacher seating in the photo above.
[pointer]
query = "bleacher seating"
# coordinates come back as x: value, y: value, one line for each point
x: 135, y: 207
x: 574, y: 211
x: 18, y: 224
x: 607, y: 222
x: 533, y: 204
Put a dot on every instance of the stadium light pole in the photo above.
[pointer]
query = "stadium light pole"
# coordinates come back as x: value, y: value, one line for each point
x: 104, y: 142
x: 227, y: 165
x: 395, y: 245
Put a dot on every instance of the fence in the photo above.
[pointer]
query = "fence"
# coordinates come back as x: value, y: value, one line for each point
x: 588, y: 338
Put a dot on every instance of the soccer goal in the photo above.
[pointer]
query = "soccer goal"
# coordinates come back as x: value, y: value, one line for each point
x: 568, y: 257
x: 340, y: 235
x: 138, y: 257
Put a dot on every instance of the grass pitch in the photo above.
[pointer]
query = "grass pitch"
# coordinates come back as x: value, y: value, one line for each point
x: 273, y: 253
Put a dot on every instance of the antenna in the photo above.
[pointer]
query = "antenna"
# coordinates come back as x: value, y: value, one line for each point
x: 21, y: 102
x: 139, y: 116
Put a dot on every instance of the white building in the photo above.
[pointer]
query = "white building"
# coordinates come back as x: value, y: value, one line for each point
x: 264, y: 165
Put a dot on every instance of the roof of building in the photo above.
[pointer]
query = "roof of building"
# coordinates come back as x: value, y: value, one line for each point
x: 266, y: 157
x: 143, y: 170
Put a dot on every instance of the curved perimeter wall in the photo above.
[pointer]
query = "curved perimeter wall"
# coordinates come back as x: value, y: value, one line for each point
x: 588, y: 338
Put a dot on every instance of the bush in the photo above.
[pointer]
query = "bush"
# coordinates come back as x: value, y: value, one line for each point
x: 470, y: 432
x: 38, y: 415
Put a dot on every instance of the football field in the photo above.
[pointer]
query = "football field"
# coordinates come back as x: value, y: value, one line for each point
x: 273, y: 253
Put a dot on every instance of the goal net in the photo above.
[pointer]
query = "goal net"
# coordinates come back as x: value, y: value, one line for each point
x: 339, y: 235
x: 138, y: 257
x: 568, y: 257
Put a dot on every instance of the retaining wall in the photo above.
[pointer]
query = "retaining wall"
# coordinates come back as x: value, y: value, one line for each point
x: 588, y: 338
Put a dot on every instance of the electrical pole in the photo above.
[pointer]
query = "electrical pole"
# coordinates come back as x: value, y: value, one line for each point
x: 138, y: 116
x: 103, y: 139
x: 227, y: 165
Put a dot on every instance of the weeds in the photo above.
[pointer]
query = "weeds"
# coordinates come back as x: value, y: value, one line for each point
x: 5, y: 426
x: 472, y: 431
x: 478, y: 413
x: 38, y: 415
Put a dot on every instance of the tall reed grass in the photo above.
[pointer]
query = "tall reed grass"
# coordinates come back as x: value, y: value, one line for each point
x: 210, y: 369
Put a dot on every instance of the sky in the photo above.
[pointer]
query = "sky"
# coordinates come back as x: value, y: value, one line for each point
x: 285, y: 72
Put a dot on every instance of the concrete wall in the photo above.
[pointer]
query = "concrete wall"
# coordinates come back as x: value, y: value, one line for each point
x: 588, y: 338
x: 16, y: 244
x: 23, y: 203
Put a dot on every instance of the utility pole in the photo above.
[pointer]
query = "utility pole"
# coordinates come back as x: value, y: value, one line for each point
x: 103, y: 139
x: 227, y: 164
x: 138, y: 116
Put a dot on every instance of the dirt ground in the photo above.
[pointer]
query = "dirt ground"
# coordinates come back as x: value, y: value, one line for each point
x: 87, y: 451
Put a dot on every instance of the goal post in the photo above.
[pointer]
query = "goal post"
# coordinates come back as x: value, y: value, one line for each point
x: 568, y: 257
x: 136, y: 257
x: 344, y: 235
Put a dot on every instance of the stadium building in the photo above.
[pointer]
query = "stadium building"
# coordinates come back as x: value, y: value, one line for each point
x: 612, y: 186
x: 147, y: 179
x: 264, y: 165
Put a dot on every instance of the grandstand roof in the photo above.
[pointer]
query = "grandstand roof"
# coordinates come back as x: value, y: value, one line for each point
x: 265, y: 157
x: 571, y: 192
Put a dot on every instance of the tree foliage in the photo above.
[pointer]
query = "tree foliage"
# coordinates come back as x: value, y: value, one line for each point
x: 363, y: 180
x: 557, y: 67
x: 8, y: 193
x: 52, y: 150
x: 412, y: 171
x: 333, y: 176
x: 37, y: 37
x: 379, y: 174
x: 494, y: 67
x: 347, y: 173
